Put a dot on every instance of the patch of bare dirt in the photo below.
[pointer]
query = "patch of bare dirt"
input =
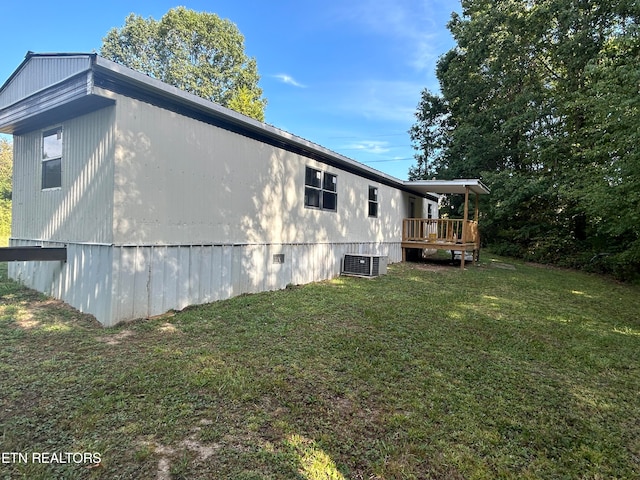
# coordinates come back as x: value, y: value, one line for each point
x: 167, y: 454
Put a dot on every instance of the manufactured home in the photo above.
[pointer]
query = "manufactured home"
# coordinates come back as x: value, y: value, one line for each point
x: 163, y: 199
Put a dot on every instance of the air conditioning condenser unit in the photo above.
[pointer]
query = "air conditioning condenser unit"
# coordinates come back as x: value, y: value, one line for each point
x: 362, y: 265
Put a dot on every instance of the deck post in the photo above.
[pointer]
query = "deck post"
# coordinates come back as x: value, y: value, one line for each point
x: 476, y: 217
x: 466, y: 215
x: 463, y: 253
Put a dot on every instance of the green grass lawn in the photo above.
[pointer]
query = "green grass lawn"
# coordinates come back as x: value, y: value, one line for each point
x: 506, y: 370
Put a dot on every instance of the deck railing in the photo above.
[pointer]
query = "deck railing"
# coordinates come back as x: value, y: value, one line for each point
x: 440, y: 230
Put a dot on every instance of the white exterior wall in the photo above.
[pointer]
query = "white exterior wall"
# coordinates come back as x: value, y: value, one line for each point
x: 82, y: 209
x: 160, y: 211
x: 182, y: 181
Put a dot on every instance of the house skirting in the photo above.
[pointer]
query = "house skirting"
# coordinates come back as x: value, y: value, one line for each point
x: 116, y: 283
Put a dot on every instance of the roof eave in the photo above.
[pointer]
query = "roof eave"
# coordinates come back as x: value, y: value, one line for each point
x: 457, y: 186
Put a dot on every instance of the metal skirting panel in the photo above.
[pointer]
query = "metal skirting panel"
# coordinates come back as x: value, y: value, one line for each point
x: 120, y: 283
x: 83, y: 282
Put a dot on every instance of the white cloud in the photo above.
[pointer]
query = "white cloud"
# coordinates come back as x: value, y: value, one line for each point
x: 369, y: 146
x: 288, y: 79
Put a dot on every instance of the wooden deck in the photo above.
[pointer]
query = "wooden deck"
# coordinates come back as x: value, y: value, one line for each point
x: 441, y: 234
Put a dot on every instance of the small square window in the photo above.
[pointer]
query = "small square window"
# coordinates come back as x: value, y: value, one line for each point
x: 312, y: 197
x: 313, y: 178
x: 330, y: 182
x: 329, y: 201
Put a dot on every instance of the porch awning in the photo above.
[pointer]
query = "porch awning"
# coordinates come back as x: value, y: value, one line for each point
x: 448, y: 186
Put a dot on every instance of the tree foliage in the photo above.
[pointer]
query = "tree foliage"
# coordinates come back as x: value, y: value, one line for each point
x: 540, y: 98
x: 195, y: 51
x: 6, y: 175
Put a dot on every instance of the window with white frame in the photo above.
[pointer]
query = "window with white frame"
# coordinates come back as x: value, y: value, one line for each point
x: 320, y: 190
x: 52, y: 158
x: 373, y: 201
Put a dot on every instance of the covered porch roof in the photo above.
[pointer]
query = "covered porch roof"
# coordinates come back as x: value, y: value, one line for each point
x: 448, y: 186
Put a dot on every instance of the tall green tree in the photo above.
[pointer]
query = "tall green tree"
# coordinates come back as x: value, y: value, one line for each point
x: 195, y: 51
x: 608, y: 182
x: 540, y: 98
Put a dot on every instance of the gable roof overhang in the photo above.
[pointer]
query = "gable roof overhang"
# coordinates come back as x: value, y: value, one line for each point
x: 56, y: 104
x: 66, y: 94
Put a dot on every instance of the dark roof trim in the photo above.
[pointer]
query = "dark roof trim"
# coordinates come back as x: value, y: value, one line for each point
x: 67, y: 99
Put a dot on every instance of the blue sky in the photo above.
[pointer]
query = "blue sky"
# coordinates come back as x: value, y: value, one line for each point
x: 344, y: 74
